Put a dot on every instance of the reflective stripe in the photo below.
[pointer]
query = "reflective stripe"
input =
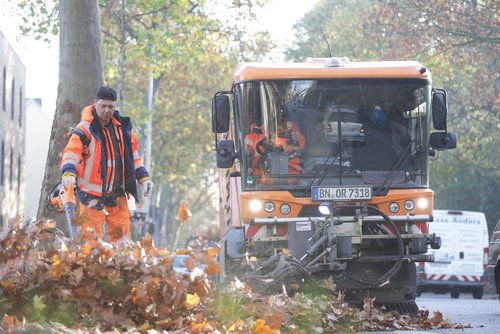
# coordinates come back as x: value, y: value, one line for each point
x: 90, y: 162
x: 87, y: 186
x: 70, y: 158
x: 110, y: 163
x: 137, y: 160
x: 85, y: 125
x: 69, y: 162
x: 86, y: 129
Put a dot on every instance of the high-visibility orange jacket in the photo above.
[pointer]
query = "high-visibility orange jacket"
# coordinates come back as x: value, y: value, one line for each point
x: 255, y: 135
x: 94, y: 165
x: 284, y: 140
x: 291, y: 146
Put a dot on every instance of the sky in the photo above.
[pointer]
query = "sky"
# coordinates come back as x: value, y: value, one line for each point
x: 41, y: 59
x: 279, y: 16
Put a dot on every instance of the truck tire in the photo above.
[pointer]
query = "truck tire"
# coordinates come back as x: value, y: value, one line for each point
x: 419, y: 291
x: 477, y: 293
x: 455, y: 293
x: 398, y: 295
x: 409, y: 308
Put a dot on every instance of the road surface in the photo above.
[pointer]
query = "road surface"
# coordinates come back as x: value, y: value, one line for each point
x: 482, y: 314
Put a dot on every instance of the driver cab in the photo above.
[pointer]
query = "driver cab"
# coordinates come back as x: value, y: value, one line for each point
x: 274, y: 142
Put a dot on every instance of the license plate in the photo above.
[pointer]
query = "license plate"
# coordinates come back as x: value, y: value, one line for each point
x: 345, y: 193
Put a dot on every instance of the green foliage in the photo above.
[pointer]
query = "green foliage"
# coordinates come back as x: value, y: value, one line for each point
x: 40, y: 18
x: 343, y: 25
x: 306, y: 311
x: 42, y: 310
x: 480, y: 192
x: 232, y: 306
x: 182, y: 45
x: 112, y: 290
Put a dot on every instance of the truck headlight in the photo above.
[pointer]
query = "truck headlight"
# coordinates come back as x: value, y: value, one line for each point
x: 269, y: 207
x: 394, y: 207
x: 255, y: 205
x: 409, y: 205
x: 324, y: 209
x: 422, y: 203
x: 285, y: 208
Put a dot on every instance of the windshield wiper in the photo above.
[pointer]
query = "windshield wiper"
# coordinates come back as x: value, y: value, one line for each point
x: 338, y: 154
x: 396, y: 165
x: 322, y: 168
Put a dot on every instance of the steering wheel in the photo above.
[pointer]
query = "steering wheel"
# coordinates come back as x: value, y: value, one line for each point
x: 262, y: 147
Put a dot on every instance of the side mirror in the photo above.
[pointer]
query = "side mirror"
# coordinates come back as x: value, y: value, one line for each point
x: 439, y: 109
x: 220, y: 113
x: 442, y: 141
x: 225, y: 153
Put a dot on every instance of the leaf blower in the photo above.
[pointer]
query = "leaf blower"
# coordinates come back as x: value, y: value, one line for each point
x: 64, y: 200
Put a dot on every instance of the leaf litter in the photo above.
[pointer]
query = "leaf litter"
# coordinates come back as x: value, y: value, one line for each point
x: 85, y: 285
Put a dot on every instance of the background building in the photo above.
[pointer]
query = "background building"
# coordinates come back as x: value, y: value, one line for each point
x: 12, y: 132
x: 38, y: 128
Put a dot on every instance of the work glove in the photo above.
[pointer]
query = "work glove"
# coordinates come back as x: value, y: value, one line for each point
x: 147, y: 187
x: 67, y: 179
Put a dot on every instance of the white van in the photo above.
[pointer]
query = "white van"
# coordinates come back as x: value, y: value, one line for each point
x: 459, y: 265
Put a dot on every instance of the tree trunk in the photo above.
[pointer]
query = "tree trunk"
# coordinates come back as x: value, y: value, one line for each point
x: 80, y: 74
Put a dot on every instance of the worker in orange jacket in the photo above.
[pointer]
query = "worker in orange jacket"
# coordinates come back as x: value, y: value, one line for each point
x: 102, y: 157
x: 292, y: 141
x: 289, y: 139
